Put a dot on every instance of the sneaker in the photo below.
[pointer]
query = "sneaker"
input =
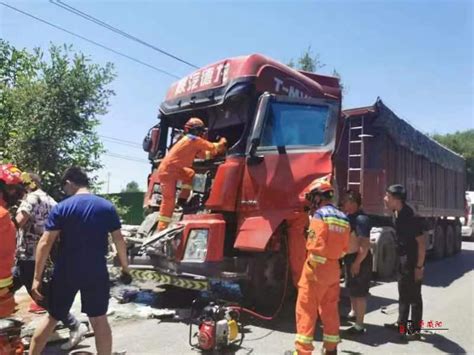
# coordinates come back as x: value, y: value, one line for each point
x: 354, y: 331
x: 36, y: 308
x: 75, y: 337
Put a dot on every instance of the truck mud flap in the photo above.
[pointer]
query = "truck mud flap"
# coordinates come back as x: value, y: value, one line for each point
x: 145, y: 275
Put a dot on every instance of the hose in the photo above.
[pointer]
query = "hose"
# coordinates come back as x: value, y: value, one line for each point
x: 282, y: 301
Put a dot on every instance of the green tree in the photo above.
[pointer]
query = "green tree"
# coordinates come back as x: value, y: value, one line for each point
x: 132, y: 186
x: 463, y: 144
x: 310, y: 62
x: 49, y: 110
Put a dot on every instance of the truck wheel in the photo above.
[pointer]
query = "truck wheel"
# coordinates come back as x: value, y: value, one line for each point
x: 266, y: 286
x: 386, y: 255
x: 449, y: 241
x: 439, y: 242
x: 457, y: 238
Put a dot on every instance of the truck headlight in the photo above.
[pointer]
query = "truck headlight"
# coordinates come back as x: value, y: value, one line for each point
x: 196, y: 246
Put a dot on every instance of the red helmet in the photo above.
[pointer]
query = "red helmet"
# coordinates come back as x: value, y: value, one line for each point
x: 320, y: 185
x: 194, y: 123
x: 10, y: 174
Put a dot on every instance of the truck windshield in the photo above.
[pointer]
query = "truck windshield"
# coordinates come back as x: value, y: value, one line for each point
x: 295, y: 125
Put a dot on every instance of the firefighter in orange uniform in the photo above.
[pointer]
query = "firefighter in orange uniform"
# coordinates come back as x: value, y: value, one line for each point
x: 318, y: 288
x: 10, y: 193
x: 176, y: 166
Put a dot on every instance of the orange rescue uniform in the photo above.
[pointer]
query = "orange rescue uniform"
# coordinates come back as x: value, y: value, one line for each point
x: 297, y: 225
x: 318, y: 288
x: 176, y: 166
x: 7, y: 257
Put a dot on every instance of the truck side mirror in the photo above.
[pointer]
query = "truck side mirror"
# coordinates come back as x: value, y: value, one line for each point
x: 255, y: 138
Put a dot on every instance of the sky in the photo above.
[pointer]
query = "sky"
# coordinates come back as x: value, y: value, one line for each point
x: 416, y: 55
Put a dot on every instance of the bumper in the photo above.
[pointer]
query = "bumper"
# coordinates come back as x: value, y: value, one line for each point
x: 191, y: 276
x: 466, y: 231
x: 147, y: 274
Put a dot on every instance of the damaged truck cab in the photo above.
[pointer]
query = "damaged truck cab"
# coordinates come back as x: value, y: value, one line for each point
x: 282, y: 127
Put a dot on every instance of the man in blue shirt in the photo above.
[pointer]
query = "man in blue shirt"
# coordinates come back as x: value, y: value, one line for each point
x: 82, y: 224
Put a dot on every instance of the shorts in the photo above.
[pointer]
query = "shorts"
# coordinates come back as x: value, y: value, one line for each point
x: 358, y: 285
x: 95, y: 294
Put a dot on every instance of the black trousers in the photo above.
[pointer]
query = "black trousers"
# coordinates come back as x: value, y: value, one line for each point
x: 409, y: 292
x: 23, y: 275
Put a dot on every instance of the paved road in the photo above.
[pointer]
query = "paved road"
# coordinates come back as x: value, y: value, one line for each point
x: 447, y: 294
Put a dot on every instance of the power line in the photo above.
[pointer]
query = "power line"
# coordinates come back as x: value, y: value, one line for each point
x: 126, y: 157
x: 95, y: 20
x: 90, y: 41
x: 121, y: 141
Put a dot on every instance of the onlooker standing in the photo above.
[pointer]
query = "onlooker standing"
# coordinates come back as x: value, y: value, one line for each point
x: 411, y: 251
x: 358, y: 260
x: 31, y: 218
x: 84, y: 221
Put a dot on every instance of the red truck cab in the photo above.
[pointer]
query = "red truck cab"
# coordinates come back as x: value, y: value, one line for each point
x: 282, y: 127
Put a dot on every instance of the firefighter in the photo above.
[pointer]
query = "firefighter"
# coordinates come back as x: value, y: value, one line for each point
x: 318, y: 287
x: 176, y: 166
x: 10, y: 192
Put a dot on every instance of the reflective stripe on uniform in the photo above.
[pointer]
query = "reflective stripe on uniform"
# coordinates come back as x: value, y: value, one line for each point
x: 186, y: 187
x: 164, y: 219
x: 336, y: 221
x: 318, y: 258
x: 300, y: 338
x: 331, y: 338
x: 6, y: 282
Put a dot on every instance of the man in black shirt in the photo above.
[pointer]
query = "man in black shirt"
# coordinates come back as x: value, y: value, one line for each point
x: 358, y: 260
x: 411, y: 251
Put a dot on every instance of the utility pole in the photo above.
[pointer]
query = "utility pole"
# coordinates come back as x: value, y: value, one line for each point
x: 108, y: 182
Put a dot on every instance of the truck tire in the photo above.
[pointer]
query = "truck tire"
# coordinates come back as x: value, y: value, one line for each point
x: 439, y: 242
x: 266, y: 287
x: 450, y: 241
x: 387, y: 260
x: 457, y: 238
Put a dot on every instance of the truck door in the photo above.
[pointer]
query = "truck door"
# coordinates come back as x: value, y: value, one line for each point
x: 291, y: 143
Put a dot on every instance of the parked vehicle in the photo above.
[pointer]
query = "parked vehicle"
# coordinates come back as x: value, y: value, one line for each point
x: 468, y: 220
x: 285, y: 128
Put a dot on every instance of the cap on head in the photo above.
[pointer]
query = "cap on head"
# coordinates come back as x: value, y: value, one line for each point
x: 398, y: 191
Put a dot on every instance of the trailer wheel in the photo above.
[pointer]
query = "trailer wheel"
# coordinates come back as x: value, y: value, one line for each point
x: 457, y: 238
x: 439, y: 242
x: 450, y: 241
x: 386, y: 255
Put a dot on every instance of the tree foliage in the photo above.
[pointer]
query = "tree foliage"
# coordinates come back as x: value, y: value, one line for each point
x: 49, y: 108
x: 132, y: 186
x: 310, y: 62
x: 463, y: 144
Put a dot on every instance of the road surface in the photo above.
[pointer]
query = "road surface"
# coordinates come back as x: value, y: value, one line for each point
x: 448, y: 303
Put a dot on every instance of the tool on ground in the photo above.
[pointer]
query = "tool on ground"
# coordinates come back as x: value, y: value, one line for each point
x: 219, y: 327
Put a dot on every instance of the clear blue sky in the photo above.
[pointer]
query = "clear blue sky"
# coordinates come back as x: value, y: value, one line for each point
x: 416, y: 55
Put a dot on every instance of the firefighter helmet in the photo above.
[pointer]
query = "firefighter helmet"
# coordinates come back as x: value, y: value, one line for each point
x: 320, y: 186
x: 10, y: 174
x: 194, y: 124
